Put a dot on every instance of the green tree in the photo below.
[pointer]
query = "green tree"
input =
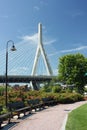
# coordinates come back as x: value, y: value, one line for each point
x: 72, y: 69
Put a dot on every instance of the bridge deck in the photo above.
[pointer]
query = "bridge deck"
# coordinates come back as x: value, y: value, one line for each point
x: 27, y: 79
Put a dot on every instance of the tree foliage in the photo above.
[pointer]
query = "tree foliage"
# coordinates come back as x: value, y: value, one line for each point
x: 72, y: 69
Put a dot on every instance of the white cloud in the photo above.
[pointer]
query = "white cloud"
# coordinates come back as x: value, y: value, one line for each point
x: 36, y: 8
x: 50, y: 42
x: 33, y: 38
x: 75, y: 49
x: 69, y: 50
x: 77, y: 14
x: 55, y: 53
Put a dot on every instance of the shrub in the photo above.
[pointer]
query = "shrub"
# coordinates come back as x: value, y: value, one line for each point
x: 70, y: 97
x: 56, y: 89
x: 46, y: 89
x: 2, y: 100
x: 4, y: 110
x: 59, y: 97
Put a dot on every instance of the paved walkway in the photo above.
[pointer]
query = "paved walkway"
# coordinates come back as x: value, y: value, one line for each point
x: 53, y: 118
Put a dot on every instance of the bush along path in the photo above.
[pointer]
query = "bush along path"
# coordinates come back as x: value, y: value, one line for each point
x: 18, y: 95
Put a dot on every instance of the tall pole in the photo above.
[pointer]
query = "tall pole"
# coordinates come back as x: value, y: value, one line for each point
x: 6, y: 72
x: 6, y: 78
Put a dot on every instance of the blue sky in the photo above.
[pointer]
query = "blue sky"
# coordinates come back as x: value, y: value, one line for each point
x: 64, y: 30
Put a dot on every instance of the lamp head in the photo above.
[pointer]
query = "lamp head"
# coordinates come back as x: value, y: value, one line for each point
x: 13, y: 48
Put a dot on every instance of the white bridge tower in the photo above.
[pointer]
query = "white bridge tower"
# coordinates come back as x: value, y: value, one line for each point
x: 40, y: 51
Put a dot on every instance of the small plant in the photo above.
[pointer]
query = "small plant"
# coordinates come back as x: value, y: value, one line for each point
x: 4, y: 110
x: 56, y: 89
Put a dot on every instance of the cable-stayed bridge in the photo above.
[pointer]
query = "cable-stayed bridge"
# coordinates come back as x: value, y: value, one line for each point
x: 24, y: 64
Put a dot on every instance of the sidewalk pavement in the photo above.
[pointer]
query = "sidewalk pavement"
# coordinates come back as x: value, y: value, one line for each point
x: 52, y: 118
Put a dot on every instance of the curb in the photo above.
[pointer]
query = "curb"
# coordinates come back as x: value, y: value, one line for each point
x: 64, y: 122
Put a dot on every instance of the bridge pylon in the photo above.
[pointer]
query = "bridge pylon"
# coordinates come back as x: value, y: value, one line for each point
x: 40, y: 51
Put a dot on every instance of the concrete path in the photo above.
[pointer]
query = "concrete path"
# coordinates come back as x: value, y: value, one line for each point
x: 52, y: 118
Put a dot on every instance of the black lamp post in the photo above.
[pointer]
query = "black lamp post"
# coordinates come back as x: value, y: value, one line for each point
x: 6, y: 78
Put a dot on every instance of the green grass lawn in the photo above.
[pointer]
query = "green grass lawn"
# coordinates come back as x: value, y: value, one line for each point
x: 77, y: 119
